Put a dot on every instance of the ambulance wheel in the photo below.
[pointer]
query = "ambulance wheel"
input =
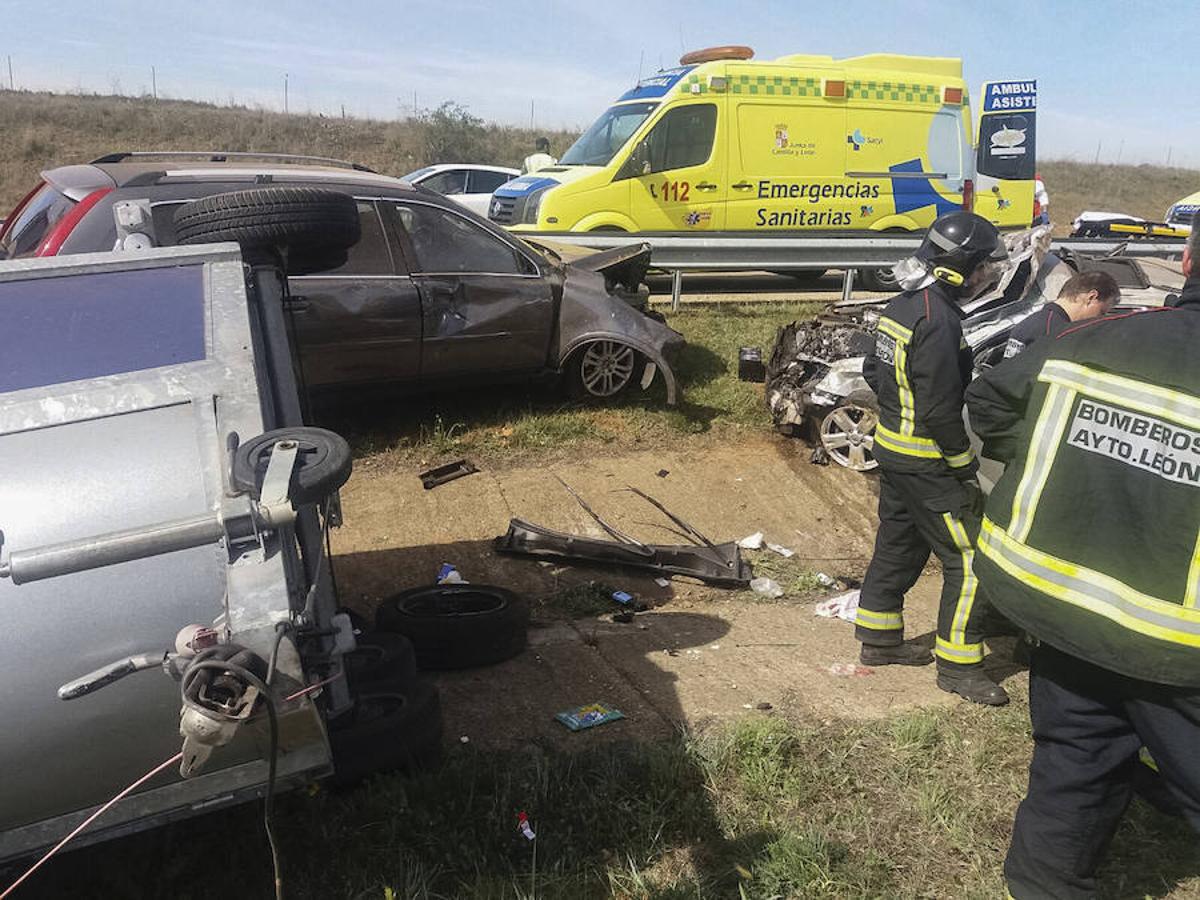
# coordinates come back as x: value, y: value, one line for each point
x: 848, y: 436
x: 601, y: 370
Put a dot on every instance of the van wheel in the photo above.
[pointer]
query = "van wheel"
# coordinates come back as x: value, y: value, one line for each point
x: 311, y: 229
x: 880, y: 280
x: 601, y: 370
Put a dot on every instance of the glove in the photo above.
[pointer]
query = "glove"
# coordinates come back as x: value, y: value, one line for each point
x: 976, y: 499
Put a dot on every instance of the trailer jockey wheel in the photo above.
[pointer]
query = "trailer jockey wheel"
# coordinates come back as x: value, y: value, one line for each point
x: 323, y: 463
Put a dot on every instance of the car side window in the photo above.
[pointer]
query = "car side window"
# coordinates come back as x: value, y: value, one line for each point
x: 483, y: 182
x: 683, y: 137
x: 371, y: 255
x: 444, y: 242
x: 450, y: 182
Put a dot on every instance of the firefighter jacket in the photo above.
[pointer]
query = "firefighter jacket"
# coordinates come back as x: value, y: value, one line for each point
x: 918, y: 370
x: 1049, y: 321
x: 1091, y: 539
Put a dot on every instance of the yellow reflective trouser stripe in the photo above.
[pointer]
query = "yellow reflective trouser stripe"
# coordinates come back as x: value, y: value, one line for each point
x: 908, y: 409
x: 1146, y: 759
x: 958, y: 460
x: 879, y: 621
x: 966, y: 654
x: 906, y: 444
x: 1090, y: 590
x: 1184, y: 409
x: 1192, y: 597
x: 1043, y: 447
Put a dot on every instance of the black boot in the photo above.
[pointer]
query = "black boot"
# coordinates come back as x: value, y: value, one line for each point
x: 972, y: 684
x: 894, y: 655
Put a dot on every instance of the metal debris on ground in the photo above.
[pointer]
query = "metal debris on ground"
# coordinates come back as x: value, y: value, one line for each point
x: 781, y: 550
x: 766, y: 587
x: 663, y: 473
x: 825, y: 580
x: 847, y: 670
x: 843, y: 606
x: 588, y: 716
x: 439, y: 475
x: 750, y: 365
x: 663, y: 582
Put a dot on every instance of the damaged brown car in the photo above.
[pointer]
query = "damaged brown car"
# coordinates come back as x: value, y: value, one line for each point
x: 431, y: 296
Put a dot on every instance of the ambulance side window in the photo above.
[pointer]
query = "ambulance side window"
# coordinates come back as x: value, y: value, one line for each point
x: 682, y: 138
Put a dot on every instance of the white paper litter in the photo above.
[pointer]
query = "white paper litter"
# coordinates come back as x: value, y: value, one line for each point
x: 781, y: 550
x: 663, y: 582
x: 752, y: 541
x: 843, y: 606
x: 765, y: 587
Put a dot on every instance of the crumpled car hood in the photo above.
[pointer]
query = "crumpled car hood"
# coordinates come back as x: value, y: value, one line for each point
x: 626, y: 266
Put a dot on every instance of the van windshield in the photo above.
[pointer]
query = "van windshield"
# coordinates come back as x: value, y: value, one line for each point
x: 608, y: 134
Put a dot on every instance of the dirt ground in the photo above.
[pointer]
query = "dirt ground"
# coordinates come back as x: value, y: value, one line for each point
x: 700, y: 654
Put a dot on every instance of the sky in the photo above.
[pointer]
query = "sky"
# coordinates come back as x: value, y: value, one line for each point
x: 1115, y: 79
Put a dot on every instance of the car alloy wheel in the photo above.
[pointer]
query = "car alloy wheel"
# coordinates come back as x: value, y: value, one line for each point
x: 606, y: 368
x: 848, y: 436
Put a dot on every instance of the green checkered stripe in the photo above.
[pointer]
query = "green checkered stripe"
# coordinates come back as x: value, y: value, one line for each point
x: 898, y: 91
x: 769, y: 85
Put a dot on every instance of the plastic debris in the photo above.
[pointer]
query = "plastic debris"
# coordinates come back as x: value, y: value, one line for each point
x: 826, y: 580
x: 752, y: 541
x: 449, y: 574
x: 843, y: 606
x: 588, y: 716
x: 524, y: 827
x: 622, y: 597
x: 463, y: 739
x: 781, y: 550
x: 663, y: 582
x: 766, y: 587
x: 849, y: 669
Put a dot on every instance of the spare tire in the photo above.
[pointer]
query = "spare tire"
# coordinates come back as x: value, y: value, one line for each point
x: 458, y: 626
x: 311, y: 228
x: 387, y: 730
x: 382, y: 660
x: 323, y: 463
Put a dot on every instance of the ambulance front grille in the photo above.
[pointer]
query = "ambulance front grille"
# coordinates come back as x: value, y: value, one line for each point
x: 501, y: 210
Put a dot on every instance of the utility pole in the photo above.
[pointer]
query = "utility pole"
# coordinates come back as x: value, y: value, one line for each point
x: 1120, y: 150
x: 11, y: 86
x: 531, y: 115
x: 1096, y: 161
x: 1169, y: 149
x: 154, y: 82
x: 285, y: 89
x: 414, y: 104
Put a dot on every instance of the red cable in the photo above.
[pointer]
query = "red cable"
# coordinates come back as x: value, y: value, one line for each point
x: 90, y: 819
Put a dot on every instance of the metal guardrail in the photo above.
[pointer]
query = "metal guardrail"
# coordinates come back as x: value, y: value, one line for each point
x: 742, y: 251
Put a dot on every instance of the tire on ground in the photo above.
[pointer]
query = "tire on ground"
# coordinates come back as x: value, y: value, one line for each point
x: 312, y: 228
x: 382, y: 661
x: 323, y: 463
x: 387, y: 731
x: 458, y: 626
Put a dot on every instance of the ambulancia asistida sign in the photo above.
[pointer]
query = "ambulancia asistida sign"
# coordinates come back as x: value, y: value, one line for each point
x: 1009, y: 96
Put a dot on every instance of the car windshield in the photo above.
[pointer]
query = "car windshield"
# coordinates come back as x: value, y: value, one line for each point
x: 412, y: 177
x: 608, y: 134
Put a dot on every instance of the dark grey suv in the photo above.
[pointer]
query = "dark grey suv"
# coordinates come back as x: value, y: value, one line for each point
x: 431, y: 294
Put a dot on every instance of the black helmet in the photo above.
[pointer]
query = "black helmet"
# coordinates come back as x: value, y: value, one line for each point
x: 957, y: 244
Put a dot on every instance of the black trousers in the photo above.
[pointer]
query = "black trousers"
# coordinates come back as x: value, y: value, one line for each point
x: 1089, y: 725
x: 919, y: 514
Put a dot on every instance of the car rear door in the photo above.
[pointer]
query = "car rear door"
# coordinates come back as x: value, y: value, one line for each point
x: 486, y: 305
x: 360, y: 322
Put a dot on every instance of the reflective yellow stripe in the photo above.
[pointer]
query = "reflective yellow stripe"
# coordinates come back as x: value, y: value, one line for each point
x: 1152, y: 400
x: 966, y: 654
x: 905, y: 444
x: 958, y: 460
x: 879, y: 621
x: 1146, y: 759
x: 894, y: 329
x: 1192, y: 597
x: 908, y: 409
x: 966, y: 593
x: 1088, y: 589
x: 1043, y: 447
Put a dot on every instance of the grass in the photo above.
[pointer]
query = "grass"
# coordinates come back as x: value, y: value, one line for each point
x: 919, y: 805
x: 499, y: 423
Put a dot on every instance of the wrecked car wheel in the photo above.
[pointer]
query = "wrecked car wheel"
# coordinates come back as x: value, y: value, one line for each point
x: 458, y: 626
x: 323, y: 463
x: 386, y: 730
x: 604, y: 369
x: 382, y: 660
x: 848, y: 436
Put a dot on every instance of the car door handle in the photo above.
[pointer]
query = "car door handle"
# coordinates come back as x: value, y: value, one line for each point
x: 743, y: 186
x: 706, y: 186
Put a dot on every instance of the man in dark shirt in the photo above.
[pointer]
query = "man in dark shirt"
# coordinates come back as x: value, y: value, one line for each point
x: 1085, y: 296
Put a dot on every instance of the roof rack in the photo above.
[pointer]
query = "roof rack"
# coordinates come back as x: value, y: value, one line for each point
x: 226, y: 155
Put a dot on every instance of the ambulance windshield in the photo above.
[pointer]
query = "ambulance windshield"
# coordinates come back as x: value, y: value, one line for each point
x: 608, y: 134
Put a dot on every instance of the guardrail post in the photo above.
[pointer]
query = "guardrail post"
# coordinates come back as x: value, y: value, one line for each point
x: 847, y: 285
x: 676, y: 288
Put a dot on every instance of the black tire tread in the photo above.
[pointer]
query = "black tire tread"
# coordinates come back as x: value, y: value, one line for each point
x: 456, y: 641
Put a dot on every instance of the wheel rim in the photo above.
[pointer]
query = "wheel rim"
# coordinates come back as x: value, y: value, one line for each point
x: 606, y: 368
x: 848, y: 436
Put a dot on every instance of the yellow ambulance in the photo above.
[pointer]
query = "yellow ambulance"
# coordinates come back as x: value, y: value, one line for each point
x: 727, y: 143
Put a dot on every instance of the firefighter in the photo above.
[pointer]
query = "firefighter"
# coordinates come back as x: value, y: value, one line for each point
x: 1084, y: 296
x: 928, y: 498
x: 1091, y: 543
